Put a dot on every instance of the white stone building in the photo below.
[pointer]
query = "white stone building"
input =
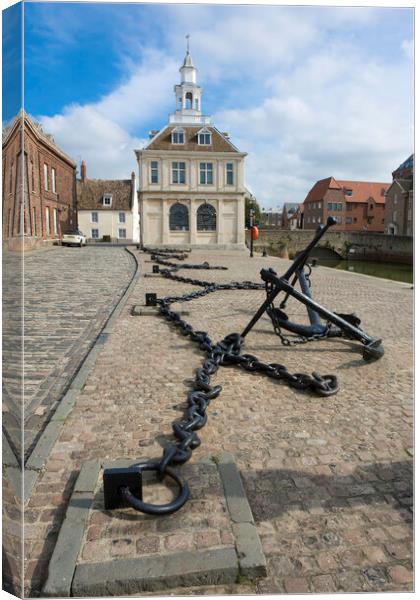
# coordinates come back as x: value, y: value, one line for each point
x: 107, y: 209
x: 191, y: 178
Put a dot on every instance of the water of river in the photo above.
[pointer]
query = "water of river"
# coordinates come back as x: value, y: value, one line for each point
x: 396, y: 272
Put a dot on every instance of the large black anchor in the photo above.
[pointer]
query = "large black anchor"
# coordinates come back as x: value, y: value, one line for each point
x: 344, y: 324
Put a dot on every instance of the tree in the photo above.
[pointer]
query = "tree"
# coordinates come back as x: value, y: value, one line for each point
x: 251, y: 202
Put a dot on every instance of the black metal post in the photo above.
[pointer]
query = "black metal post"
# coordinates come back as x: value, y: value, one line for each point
x: 251, y: 223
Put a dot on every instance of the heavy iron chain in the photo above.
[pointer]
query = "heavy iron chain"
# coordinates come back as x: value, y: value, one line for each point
x: 224, y: 353
x: 295, y: 340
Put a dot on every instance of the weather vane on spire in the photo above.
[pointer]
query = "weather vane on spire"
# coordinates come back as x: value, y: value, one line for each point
x: 188, y: 42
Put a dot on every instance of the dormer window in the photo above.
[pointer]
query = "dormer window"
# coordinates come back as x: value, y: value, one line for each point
x: 348, y: 192
x: 204, y: 137
x: 178, y: 136
x: 107, y: 199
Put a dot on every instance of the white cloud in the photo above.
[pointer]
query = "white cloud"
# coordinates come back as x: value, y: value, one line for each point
x: 336, y: 114
x: 322, y: 103
x: 84, y: 133
x: 407, y: 47
x: 99, y: 133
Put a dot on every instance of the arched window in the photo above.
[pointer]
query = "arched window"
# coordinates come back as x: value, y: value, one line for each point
x: 178, y: 217
x: 206, y: 218
x: 189, y: 100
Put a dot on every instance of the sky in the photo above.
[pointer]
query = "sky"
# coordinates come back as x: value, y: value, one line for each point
x: 307, y: 92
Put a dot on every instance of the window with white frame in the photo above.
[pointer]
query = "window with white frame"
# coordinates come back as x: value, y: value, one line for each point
x: 46, y: 177
x: 349, y: 220
x: 55, y: 221
x: 54, y: 180
x: 339, y: 220
x: 178, y: 136
x: 95, y: 234
x: 206, y: 173
x: 94, y: 216
x: 121, y: 217
x: 178, y: 172
x: 204, y: 137
x: 122, y: 234
x: 47, y: 220
x: 154, y: 173
x: 107, y: 200
x: 229, y: 173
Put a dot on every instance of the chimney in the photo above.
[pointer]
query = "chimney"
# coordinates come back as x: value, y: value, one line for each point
x: 83, y: 171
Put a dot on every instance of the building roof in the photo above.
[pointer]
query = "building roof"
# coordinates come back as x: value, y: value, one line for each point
x: 188, y: 60
x: 162, y: 141
x: 363, y: 190
x: 22, y: 118
x: 91, y: 191
x: 318, y: 191
x: 405, y: 170
x: 290, y: 207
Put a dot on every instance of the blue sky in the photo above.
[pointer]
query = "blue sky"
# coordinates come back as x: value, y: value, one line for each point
x: 11, y: 61
x: 308, y: 92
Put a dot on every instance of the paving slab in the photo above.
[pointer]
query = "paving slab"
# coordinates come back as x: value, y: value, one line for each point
x: 144, y: 552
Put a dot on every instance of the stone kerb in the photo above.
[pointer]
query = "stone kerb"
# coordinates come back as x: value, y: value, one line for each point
x: 212, y: 540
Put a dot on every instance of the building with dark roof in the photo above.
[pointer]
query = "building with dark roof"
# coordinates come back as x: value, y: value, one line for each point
x: 191, y: 177
x: 107, y: 209
x: 399, y: 214
x: 356, y: 205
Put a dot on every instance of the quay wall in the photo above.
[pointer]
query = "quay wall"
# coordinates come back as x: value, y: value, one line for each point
x: 355, y: 245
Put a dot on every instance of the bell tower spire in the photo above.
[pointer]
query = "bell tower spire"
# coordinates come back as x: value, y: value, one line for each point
x: 187, y: 92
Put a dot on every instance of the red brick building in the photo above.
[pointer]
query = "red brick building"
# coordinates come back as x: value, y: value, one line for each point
x: 39, y: 185
x: 357, y: 205
x: 399, y: 208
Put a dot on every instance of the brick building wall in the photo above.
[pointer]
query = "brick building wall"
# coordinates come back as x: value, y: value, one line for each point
x: 330, y: 198
x: 39, y: 193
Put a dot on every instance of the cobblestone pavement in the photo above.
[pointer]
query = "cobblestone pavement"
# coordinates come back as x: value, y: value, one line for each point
x: 68, y: 295
x: 329, y: 480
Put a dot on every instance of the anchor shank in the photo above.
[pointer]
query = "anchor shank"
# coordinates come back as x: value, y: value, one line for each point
x: 354, y: 332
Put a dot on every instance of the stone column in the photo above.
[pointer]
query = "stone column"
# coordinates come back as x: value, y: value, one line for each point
x: 193, y: 221
x: 219, y: 221
x: 240, y: 215
x: 165, y: 221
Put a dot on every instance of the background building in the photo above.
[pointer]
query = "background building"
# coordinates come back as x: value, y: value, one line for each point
x: 357, y: 205
x: 399, y: 217
x: 39, y: 185
x: 191, y: 178
x: 108, y: 208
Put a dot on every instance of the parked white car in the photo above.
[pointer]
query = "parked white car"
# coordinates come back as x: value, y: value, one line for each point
x: 74, y: 238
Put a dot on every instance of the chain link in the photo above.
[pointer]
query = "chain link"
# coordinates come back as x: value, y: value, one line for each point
x: 295, y: 340
x: 224, y: 353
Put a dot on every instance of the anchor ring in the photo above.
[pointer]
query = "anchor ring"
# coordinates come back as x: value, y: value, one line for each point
x: 159, y: 509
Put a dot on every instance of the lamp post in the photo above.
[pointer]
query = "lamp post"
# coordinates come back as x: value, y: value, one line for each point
x: 251, y: 223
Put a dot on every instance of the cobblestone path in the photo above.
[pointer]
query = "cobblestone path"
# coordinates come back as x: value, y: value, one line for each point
x: 68, y: 295
x: 329, y: 480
